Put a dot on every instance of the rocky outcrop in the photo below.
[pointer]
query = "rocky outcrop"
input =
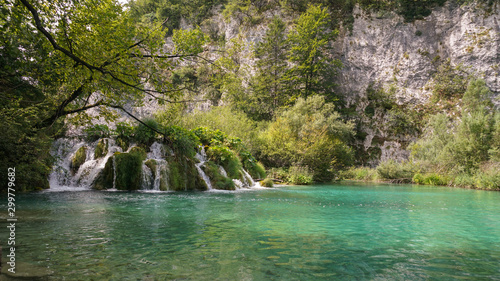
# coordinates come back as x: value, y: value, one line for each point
x: 382, y: 48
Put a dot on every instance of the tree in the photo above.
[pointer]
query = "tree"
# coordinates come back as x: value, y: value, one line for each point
x: 309, y: 134
x: 313, y: 66
x: 269, y: 87
x: 69, y: 57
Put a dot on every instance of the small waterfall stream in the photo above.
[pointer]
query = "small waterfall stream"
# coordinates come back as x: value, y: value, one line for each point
x: 202, y: 157
x: 152, y: 179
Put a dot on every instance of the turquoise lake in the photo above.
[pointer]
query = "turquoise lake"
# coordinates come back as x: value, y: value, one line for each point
x: 322, y: 232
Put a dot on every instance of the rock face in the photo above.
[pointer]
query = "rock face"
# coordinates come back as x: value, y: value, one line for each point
x: 385, y: 50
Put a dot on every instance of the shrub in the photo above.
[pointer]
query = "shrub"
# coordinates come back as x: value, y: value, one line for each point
x: 267, y: 183
x: 208, y: 136
x: 227, y: 158
x: 96, y: 132
x: 143, y: 133
x: 464, y: 180
x: 359, y: 173
x: 182, y: 140
x: 393, y: 170
x: 311, y: 134
x: 488, y: 177
x: 299, y: 175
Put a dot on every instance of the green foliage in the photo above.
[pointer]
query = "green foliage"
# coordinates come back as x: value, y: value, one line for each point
x: 227, y: 158
x: 299, y: 175
x: 128, y: 169
x: 417, y: 9
x: 182, y: 140
x: 309, y: 53
x: 460, y: 149
x: 95, y: 132
x: 83, y: 51
x: 149, y: 11
x: 78, y: 159
x: 216, y: 178
x: 208, y: 136
x: 223, y: 119
x: 183, y: 174
x: 144, y: 135
x: 124, y: 133
x: 359, y: 173
x: 269, y: 86
x: 449, y: 81
x: 267, y: 182
x: 430, y: 179
x: 189, y: 41
x: 393, y: 170
x: 101, y: 148
x: 309, y: 134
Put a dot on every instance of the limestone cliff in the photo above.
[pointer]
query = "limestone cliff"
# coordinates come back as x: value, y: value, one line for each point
x: 382, y: 49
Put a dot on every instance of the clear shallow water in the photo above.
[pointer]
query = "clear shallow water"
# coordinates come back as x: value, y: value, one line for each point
x: 328, y: 232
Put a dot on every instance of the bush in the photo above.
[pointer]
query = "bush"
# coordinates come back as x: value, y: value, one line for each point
x: 227, y: 159
x: 488, y: 177
x: 208, y: 136
x: 96, y: 132
x: 311, y: 134
x: 393, y: 170
x: 267, y: 183
x: 299, y: 175
x: 144, y: 135
x: 359, y: 173
x: 182, y: 140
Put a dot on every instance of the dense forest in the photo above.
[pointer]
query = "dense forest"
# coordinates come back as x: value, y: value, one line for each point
x: 62, y: 60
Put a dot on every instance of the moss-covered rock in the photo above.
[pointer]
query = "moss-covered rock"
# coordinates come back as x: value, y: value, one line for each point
x: 128, y: 167
x: 105, y: 178
x: 123, y: 143
x: 183, y: 175
x: 101, y: 149
x: 255, y: 169
x: 160, y: 167
x: 78, y: 159
x: 218, y: 180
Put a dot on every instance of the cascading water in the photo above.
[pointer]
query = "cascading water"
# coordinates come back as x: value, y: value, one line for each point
x: 64, y: 150
x: 147, y: 175
x: 152, y: 179
x: 91, y: 159
x: 202, y: 157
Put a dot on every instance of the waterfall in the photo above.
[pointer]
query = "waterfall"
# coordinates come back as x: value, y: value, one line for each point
x: 114, y: 173
x: 147, y: 175
x: 62, y: 177
x: 152, y: 179
x: 202, y: 157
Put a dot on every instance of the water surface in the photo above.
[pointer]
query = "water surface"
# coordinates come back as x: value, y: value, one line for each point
x: 326, y: 232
